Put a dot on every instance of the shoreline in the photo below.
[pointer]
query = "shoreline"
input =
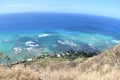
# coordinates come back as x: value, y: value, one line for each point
x: 69, y: 56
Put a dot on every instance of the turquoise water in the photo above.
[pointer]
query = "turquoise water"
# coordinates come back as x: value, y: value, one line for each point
x: 27, y: 35
x: 28, y: 44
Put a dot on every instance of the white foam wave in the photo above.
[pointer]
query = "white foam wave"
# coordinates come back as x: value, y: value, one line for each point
x: 63, y: 43
x: 91, y: 45
x: 66, y: 42
x: 43, y: 35
x: 17, y: 50
x: 116, y: 41
x: 29, y: 49
x: 70, y: 43
x: 31, y: 44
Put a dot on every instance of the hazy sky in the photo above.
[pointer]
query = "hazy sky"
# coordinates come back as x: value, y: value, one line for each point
x: 95, y: 7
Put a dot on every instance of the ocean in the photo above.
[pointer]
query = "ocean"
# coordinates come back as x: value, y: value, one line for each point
x: 27, y: 35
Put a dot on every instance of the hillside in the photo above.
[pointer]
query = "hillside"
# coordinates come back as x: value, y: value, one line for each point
x: 105, y: 66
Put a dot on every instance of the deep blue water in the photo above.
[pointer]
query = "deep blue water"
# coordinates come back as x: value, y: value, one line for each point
x: 24, y: 35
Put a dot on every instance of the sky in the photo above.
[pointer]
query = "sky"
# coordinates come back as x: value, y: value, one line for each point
x: 110, y: 8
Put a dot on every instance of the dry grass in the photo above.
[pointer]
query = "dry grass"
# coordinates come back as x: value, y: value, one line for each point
x: 21, y: 73
x: 105, y: 66
x: 18, y: 73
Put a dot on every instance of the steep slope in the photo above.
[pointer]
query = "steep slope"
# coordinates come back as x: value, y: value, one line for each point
x: 105, y: 61
x: 105, y: 66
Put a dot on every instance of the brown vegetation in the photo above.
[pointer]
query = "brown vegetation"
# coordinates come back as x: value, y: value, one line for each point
x: 105, y: 66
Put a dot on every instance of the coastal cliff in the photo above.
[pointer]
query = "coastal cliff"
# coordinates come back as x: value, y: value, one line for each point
x: 104, y: 66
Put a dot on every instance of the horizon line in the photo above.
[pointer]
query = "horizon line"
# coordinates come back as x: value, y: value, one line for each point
x: 62, y: 13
